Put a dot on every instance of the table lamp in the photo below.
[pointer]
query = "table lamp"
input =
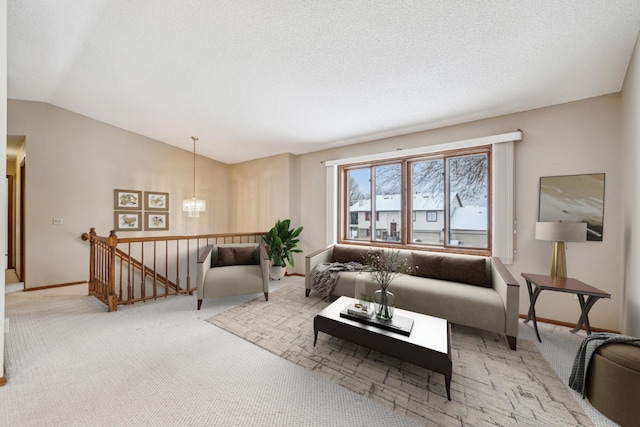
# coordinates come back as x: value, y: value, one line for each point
x: 559, y: 233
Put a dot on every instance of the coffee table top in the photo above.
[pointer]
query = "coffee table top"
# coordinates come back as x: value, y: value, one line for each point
x: 428, y: 331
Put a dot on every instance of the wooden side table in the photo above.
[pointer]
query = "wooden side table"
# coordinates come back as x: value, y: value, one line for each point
x: 537, y: 283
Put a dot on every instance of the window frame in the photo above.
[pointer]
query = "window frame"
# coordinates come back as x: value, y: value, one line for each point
x: 407, y: 214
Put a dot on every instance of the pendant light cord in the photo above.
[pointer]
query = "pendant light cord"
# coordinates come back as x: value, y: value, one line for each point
x: 194, y: 165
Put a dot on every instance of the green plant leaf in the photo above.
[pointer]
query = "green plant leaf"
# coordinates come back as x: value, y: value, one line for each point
x: 281, y: 242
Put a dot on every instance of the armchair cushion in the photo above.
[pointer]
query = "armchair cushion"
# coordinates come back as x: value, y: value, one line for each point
x: 237, y: 255
x: 216, y: 280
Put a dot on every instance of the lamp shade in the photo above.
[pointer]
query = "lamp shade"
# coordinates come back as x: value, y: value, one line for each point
x: 561, y: 231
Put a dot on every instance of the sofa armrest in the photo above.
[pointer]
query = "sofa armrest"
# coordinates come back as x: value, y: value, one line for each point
x: 322, y: 255
x: 264, y: 266
x: 509, y: 290
x: 204, y: 264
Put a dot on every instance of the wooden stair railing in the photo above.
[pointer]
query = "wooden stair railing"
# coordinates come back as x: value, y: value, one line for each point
x: 120, y: 254
x: 136, y: 269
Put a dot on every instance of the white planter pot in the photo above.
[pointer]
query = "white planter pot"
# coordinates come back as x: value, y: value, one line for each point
x: 276, y: 273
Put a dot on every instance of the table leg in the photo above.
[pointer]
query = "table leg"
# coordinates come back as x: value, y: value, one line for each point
x: 447, y: 382
x: 584, y: 313
x: 533, y: 296
x: 530, y: 296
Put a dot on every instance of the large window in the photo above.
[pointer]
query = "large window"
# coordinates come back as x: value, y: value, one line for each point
x: 436, y: 200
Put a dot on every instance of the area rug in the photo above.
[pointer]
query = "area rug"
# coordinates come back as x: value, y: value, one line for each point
x: 491, y: 384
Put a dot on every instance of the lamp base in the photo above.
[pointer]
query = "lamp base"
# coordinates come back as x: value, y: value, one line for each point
x: 558, y: 260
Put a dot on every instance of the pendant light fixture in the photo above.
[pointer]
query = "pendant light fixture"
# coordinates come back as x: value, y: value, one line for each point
x: 194, y: 206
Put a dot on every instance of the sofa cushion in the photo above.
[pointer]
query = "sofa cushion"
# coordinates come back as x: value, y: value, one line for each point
x: 468, y: 270
x: 459, y: 303
x: 234, y: 255
x: 346, y: 253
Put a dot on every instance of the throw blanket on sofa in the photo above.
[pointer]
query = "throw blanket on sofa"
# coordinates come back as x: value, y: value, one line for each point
x: 326, y: 275
x: 578, y: 377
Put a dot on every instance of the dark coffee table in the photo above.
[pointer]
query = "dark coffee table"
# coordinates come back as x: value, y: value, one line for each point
x: 428, y: 345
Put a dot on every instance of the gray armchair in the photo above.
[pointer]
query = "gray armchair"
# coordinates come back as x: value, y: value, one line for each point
x: 232, y: 269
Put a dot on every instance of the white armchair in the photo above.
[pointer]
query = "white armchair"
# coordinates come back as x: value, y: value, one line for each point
x: 233, y: 269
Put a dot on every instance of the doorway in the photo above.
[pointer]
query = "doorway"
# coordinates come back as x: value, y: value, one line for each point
x: 23, y: 179
x: 16, y: 201
x: 11, y: 198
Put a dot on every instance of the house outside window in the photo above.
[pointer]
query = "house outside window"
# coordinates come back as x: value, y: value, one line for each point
x: 447, y: 203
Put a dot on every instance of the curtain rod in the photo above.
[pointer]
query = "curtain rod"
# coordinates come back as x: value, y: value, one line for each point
x: 399, y: 152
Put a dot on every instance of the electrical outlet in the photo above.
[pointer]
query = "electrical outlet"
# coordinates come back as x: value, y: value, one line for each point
x: 57, y: 221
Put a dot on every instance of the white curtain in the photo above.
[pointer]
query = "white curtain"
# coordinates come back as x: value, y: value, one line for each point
x: 503, y: 202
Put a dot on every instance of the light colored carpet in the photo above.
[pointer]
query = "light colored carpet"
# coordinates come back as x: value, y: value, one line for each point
x: 70, y: 363
x: 491, y: 384
x: 159, y: 363
x: 10, y: 276
x: 559, y: 347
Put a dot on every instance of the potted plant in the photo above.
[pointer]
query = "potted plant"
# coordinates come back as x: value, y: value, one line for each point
x: 281, y: 244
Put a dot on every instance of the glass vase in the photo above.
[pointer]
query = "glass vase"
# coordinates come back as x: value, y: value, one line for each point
x: 383, y: 304
x: 362, y: 298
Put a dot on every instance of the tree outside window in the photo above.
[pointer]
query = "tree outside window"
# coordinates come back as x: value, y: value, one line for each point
x: 446, y: 197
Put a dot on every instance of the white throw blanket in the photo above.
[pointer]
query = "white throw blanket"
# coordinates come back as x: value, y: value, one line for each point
x: 326, y: 275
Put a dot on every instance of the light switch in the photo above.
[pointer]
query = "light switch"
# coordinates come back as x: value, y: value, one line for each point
x: 57, y: 221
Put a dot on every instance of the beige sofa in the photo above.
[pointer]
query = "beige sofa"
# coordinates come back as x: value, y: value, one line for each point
x: 468, y: 290
x: 232, y: 269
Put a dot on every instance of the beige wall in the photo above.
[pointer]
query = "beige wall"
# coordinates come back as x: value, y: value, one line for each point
x: 3, y: 154
x: 630, y: 162
x: 73, y: 165
x: 263, y: 191
x: 575, y: 138
x: 260, y: 193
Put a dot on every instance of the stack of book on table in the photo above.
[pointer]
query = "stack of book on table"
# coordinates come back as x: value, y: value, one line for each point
x: 360, y: 312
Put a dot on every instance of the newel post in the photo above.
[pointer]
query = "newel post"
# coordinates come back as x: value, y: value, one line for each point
x: 112, y: 298
x: 90, y: 236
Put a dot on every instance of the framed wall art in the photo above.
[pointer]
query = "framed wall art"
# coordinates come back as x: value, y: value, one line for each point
x: 574, y: 198
x: 154, y: 201
x: 156, y: 221
x: 127, y: 199
x: 127, y: 221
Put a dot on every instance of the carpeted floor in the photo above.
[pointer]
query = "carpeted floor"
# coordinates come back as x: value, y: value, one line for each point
x: 70, y: 363
x: 491, y: 384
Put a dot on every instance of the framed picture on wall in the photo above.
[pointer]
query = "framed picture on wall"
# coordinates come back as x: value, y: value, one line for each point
x: 127, y: 199
x: 156, y: 221
x: 574, y: 198
x: 154, y: 201
x: 127, y: 221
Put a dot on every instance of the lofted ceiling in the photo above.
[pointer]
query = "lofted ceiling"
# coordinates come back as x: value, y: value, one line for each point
x: 254, y: 78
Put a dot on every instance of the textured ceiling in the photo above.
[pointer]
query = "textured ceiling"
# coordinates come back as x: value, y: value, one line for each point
x: 256, y: 78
